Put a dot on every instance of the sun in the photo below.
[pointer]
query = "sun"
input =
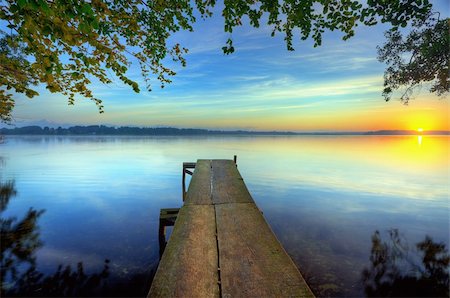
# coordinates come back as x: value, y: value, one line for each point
x: 420, y: 129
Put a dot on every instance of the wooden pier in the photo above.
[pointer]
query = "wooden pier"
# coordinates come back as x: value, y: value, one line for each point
x: 221, y: 245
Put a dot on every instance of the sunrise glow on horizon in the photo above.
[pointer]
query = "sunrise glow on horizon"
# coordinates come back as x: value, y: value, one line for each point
x: 262, y: 86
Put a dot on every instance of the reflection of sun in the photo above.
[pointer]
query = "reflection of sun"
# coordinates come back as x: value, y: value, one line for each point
x: 419, y: 140
x: 419, y: 137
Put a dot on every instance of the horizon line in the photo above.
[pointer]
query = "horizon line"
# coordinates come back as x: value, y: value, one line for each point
x: 241, y: 130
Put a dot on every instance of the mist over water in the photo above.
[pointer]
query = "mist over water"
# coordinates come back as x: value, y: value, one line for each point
x: 323, y: 196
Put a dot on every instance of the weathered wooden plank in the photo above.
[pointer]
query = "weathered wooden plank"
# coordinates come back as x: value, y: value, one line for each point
x: 199, y: 191
x: 229, y: 187
x: 252, y: 261
x: 189, y: 263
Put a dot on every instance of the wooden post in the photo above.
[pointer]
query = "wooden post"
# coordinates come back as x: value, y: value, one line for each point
x: 167, y: 218
x: 186, y: 166
x: 184, y: 182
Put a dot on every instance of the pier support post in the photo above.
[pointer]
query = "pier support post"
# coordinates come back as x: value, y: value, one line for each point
x: 186, y: 166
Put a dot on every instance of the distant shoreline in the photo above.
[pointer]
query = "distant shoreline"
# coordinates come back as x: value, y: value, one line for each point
x: 101, y: 130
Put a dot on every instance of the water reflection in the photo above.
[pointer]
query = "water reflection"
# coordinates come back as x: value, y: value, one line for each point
x: 19, y: 276
x: 19, y: 238
x: 322, y: 196
x: 65, y: 282
x: 396, y: 270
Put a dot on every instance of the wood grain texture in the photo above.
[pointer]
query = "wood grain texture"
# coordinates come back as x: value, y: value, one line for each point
x: 199, y: 191
x: 252, y: 261
x: 228, y: 185
x: 188, y: 267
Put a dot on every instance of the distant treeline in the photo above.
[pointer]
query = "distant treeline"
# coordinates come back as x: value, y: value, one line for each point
x: 126, y: 130
x: 171, y: 131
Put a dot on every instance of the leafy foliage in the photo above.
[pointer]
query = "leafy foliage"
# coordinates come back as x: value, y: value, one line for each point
x: 65, y: 44
x: 69, y: 43
x: 422, y: 56
x: 14, y: 72
x: 312, y: 18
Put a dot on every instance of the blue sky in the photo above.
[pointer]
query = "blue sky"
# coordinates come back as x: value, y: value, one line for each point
x: 261, y: 86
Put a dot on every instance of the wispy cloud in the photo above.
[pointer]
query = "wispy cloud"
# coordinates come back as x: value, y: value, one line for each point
x: 287, y: 88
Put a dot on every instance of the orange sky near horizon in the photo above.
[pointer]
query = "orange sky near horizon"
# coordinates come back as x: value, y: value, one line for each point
x: 428, y: 113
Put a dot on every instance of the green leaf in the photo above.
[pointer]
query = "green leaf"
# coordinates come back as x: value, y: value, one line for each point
x: 33, y: 4
x: 46, y: 30
x: 21, y: 3
x: 87, y: 9
x: 83, y: 27
x: 14, y: 8
x: 44, y: 6
x: 30, y: 93
x: 95, y: 24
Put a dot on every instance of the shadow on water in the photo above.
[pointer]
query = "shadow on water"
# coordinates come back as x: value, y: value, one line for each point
x: 20, y: 239
x: 397, y: 270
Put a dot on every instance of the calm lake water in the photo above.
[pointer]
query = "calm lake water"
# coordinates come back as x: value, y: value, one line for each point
x: 323, y: 196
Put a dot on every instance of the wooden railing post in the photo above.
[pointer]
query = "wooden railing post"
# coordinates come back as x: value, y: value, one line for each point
x: 186, y: 166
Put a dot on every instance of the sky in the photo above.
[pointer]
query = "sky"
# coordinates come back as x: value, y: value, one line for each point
x: 262, y: 86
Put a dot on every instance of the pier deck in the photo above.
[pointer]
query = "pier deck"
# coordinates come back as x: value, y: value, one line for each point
x: 221, y: 245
